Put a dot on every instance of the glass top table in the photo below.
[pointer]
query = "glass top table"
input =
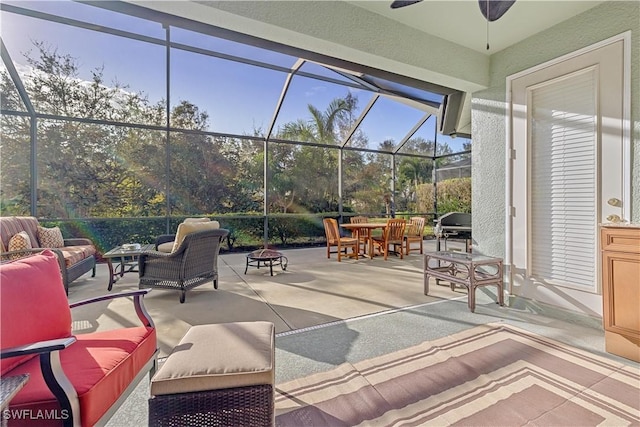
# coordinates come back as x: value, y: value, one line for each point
x: 9, y: 387
x: 127, y: 261
x: 462, y: 256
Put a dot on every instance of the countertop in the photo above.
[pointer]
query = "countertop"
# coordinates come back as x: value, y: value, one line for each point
x: 620, y: 225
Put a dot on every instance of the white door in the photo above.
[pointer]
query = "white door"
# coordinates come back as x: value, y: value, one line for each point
x: 568, y: 174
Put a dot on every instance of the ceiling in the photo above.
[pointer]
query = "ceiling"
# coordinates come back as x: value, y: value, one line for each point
x: 461, y: 22
x: 348, y: 31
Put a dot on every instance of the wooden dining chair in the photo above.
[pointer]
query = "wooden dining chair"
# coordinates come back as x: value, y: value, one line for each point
x: 393, y: 236
x: 414, y: 233
x: 342, y: 243
x: 363, y: 234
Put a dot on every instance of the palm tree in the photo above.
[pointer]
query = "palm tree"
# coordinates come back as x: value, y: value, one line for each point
x: 321, y: 128
x: 305, y: 180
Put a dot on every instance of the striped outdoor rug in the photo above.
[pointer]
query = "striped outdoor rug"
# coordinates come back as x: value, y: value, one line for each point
x: 491, y: 375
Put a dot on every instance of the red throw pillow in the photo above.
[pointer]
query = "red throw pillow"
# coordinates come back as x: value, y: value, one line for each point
x: 33, y: 304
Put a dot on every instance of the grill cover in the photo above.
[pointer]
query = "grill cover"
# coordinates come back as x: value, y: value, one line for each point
x: 454, y: 225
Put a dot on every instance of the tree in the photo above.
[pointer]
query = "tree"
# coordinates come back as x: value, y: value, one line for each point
x: 84, y: 169
x: 93, y: 169
x: 304, y: 177
x: 14, y: 152
x: 322, y: 126
x: 90, y: 170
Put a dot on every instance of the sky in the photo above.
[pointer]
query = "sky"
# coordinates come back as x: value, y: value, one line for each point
x: 237, y: 97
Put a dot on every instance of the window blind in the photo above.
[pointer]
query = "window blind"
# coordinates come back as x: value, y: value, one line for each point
x: 563, y: 180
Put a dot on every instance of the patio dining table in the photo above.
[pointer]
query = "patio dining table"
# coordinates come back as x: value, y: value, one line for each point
x: 365, y: 229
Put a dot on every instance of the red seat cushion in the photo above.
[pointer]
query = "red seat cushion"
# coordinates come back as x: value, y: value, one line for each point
x: 100, y: 365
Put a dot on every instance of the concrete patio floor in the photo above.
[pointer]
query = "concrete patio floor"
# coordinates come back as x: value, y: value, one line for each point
x: 326, y: 313
x: 312, y: 291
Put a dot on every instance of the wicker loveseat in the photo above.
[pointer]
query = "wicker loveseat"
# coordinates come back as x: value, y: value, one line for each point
x: 76, y: 256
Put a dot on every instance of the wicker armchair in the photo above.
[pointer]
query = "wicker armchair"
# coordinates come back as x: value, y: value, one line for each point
x: 166, y: 242
x: 192, y: 264
x: 162, y: 239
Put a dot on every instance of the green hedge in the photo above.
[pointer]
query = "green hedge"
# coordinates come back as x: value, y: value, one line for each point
x: 245, y: 232
x: 454, y: 195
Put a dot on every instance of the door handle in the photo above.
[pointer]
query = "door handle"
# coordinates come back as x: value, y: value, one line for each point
x: 615, y: 219
x: 614, y: 202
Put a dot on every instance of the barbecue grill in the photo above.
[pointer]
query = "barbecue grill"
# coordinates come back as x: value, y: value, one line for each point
x: 456, y: 226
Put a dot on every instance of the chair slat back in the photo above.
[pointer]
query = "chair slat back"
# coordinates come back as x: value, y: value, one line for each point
x: 331, y: 229
x: 364, y: 233
x: 395, y: 229
x: 359, y: 219
x: 416, y: 226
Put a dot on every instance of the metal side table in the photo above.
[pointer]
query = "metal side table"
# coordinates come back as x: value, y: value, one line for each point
x: 465, y: 269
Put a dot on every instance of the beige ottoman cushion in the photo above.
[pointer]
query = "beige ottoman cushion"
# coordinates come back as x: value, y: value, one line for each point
x: 212, y: 357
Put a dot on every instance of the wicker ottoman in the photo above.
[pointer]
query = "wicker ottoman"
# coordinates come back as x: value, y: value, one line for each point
x: 218, y: 375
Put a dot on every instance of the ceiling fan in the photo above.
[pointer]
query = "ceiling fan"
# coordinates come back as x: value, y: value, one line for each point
x: 492, y: 10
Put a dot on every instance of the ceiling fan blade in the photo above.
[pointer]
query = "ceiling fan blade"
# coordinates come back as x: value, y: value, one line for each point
x: 402, y: 3
x: 494, y: 9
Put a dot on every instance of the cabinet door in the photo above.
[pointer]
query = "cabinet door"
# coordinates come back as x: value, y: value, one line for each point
x: 621, y: 293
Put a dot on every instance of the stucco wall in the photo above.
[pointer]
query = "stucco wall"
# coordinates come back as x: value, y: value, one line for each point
x: 489, y: 109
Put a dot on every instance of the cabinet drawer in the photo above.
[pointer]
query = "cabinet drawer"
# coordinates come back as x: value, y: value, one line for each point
x: 620, y: 239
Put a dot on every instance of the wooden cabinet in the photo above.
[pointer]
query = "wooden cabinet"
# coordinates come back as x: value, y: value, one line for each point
x: 621, y: 289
